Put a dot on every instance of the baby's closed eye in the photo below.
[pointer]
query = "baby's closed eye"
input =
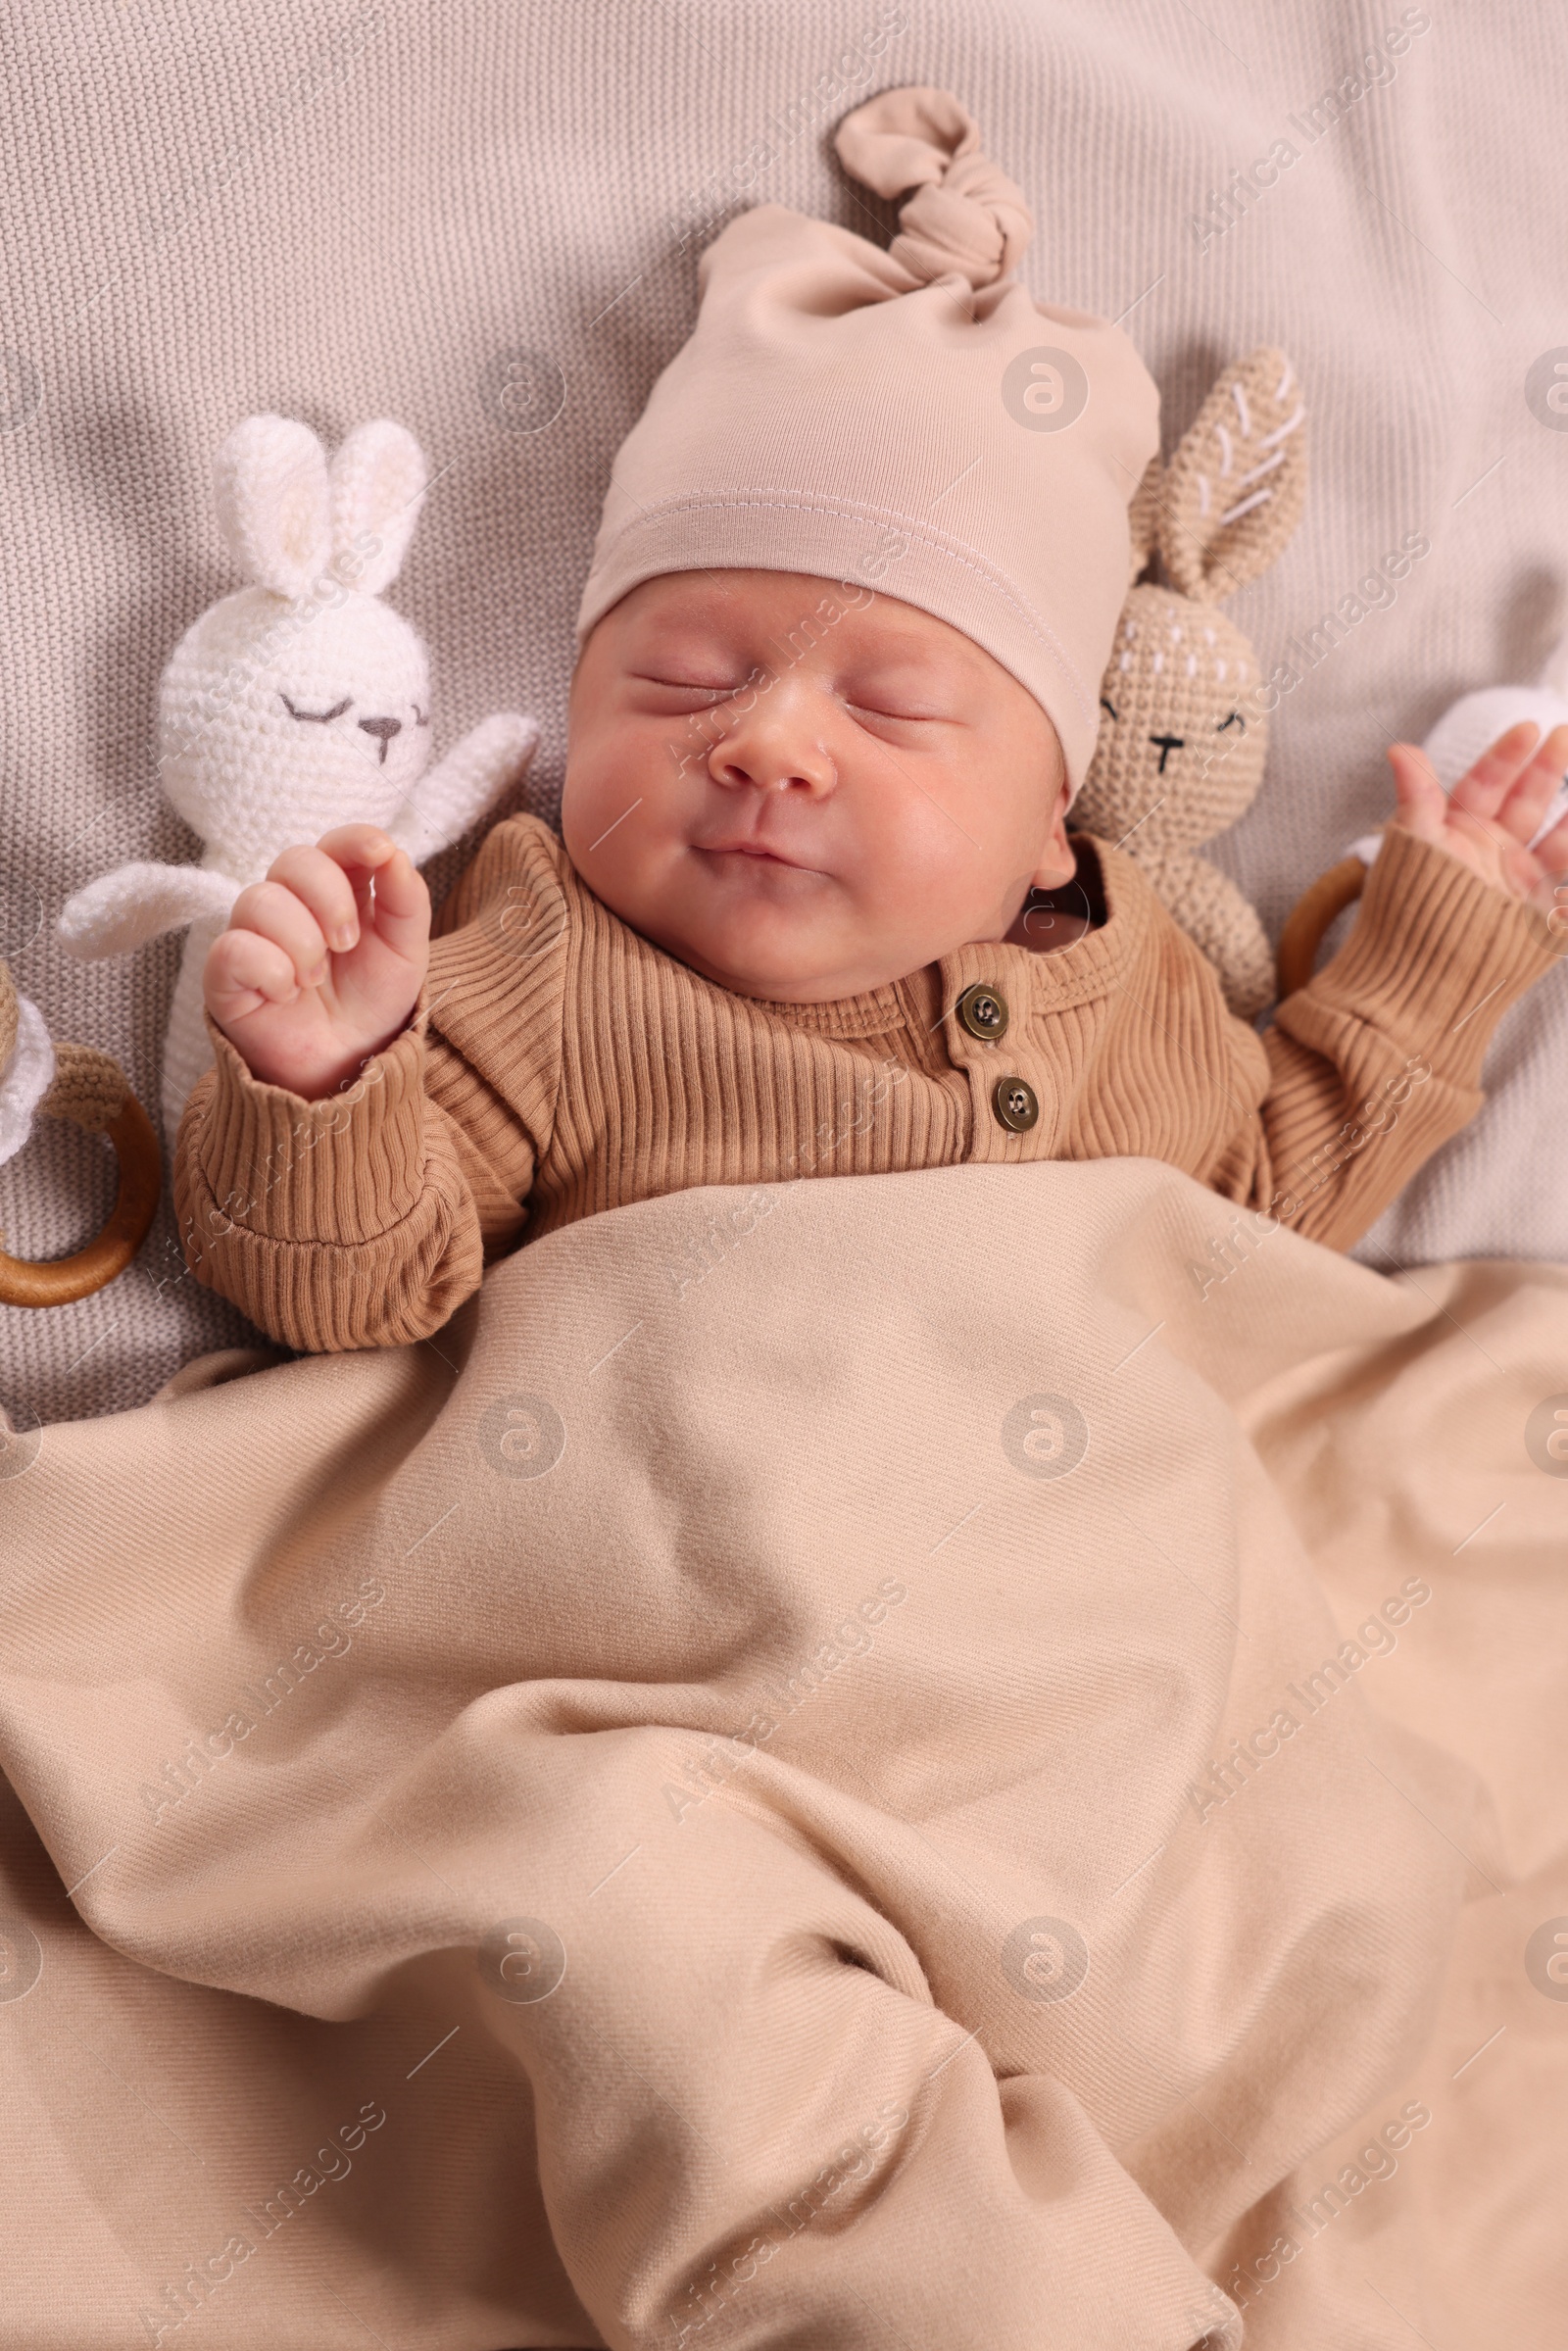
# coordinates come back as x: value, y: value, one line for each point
x: 703, y: 690
x: 890, y: 707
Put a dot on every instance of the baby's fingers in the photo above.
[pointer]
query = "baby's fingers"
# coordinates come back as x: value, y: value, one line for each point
x: 273, y: 912
x: 399, y: 909
x: 326, y: 891
x: 1423, y: 806
x: 1482, y: 791
x: 243, y: 972
x: 403, y: 906
x: 1551, y: 857
x: 1535, y: 790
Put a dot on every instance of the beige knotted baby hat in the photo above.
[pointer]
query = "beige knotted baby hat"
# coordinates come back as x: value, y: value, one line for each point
x: 909, y: 421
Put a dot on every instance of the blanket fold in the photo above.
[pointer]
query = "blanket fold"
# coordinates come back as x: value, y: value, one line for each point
x: 828, y: 1804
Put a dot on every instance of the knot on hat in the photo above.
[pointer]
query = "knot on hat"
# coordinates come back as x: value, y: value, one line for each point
x: 965, y: 213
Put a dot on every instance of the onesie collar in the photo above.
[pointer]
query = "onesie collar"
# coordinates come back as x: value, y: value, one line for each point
x: 1042, y: 983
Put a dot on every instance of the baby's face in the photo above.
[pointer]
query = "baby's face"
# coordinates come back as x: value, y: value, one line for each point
x: 804, y: 790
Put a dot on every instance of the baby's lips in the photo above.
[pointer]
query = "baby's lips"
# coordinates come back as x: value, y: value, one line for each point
x: 747, y: 846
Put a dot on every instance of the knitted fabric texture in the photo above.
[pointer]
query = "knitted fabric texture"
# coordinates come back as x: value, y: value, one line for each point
x: 909, y: 420
x: 299, y: 703
x: 1184, y: 712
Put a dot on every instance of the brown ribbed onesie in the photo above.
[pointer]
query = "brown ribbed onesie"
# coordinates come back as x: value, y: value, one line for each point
x: 557, y: 1064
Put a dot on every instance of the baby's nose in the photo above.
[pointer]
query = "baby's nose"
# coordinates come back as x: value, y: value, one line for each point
x: 383, y: 729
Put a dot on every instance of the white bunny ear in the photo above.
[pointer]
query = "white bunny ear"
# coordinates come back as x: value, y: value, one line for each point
x: 272, y: 503
x: 378, y: 488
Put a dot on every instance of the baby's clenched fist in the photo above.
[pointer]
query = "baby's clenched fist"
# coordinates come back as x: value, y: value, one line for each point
x: 322, y: 962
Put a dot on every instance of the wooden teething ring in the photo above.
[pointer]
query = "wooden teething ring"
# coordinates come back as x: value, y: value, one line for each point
x: 58, y: 1281
x: 1309, y: 919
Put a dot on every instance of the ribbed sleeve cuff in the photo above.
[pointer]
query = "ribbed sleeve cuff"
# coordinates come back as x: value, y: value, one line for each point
x: 343, y: 1169
x: 1437, y: 954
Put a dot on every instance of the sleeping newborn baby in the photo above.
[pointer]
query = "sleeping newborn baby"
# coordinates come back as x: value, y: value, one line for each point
x: 814, y: 907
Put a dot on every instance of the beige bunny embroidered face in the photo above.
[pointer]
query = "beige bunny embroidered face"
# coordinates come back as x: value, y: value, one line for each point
x: 1182, y: 744
x: 1183, y: 731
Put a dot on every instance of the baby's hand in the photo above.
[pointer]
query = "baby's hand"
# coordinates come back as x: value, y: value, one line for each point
x: 314, y: 976
x: 1491, y: 813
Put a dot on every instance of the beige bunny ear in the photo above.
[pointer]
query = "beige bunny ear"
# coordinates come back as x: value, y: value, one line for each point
x: 1235, y: 488
x: 1143, y: 518
x: 379, y: 481
x: 270, y: 485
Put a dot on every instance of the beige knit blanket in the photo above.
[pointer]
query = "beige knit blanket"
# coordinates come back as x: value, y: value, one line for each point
x: 835, y: 1766
x: 486, y: 220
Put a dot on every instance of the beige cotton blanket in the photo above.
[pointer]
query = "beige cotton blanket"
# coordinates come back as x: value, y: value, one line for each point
x: 946, y: 1760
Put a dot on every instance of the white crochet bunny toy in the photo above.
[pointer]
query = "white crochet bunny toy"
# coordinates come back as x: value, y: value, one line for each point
x: 297, y: 704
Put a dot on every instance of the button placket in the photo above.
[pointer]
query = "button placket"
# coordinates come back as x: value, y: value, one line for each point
x: 980, y: 1017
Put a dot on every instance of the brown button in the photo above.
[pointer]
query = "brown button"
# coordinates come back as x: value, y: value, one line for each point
x: 983, y: 1012
x: 1016, y: 1104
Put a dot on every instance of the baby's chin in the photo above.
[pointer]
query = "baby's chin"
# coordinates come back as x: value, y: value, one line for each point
x: 768, y: 949
x: 779, y: 968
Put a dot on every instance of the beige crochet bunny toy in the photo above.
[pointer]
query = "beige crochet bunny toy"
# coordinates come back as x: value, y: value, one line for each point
x: 1183, y: 732
x: 41, y: 1079
x: 299, y: 703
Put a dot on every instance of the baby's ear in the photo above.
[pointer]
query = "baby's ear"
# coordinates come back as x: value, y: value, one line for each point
x: 1143, y: 518
x: 272, y: 491
x: 378, y: 488
x: 1233, y: 491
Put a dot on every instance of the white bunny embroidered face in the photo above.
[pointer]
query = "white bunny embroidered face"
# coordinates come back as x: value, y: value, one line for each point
x: 303, y: 699
x: 276, y: 722
x: 299, y: 703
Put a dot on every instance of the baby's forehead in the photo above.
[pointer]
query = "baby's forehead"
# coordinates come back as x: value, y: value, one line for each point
x: 736, y: 601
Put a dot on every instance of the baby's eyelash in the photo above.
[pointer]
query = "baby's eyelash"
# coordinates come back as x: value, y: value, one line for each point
x: 687, y: 685
x: 718, y: 694
x: 317, y: 717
